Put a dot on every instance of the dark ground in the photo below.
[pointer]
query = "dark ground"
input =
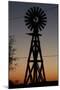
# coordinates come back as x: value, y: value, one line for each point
x: 42, y: 84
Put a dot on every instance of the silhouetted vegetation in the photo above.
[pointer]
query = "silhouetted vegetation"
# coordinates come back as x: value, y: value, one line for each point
x: 46, y: 83
x: 12, y: 51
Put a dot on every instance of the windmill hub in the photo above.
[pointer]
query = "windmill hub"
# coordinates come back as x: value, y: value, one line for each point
x: 35, y: 19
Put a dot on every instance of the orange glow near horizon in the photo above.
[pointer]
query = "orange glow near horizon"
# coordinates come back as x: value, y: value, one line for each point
x: 51, y: 71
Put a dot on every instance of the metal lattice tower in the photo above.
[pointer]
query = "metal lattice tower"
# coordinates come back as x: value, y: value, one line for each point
x: 35, y: 20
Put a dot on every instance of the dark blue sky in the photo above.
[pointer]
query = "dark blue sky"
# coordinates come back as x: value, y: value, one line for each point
x: 17, y: 25
x: 49, y: 39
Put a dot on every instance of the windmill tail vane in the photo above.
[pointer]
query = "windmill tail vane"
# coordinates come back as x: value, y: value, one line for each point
x: 35, y: 20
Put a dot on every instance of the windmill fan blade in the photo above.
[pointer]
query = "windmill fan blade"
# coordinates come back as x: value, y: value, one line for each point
x: 42, y: 26
x: 42, y: 13
x: 37, y: 9
x: 29, y: 26
x: 26, y: 17
x: 44, y: 17
x: 29, y: 12
x: 26, y: 20
x: 34, y: 9
x: 44, y: 21
x: 27, y: 23
x: 40, y: 10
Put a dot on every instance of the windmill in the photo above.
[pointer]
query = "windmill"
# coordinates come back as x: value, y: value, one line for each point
x: 35, y: 20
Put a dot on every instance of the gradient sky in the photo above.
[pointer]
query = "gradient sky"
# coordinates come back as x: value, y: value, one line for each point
x: 49, y: 39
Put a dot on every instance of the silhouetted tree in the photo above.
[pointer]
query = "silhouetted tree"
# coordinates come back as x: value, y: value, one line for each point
x: 12, y: 51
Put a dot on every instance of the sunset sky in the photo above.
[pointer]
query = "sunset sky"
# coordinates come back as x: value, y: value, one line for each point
x: 49, y: 39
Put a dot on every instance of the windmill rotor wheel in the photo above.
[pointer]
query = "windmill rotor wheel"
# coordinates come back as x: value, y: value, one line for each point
x: 35, y: 18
